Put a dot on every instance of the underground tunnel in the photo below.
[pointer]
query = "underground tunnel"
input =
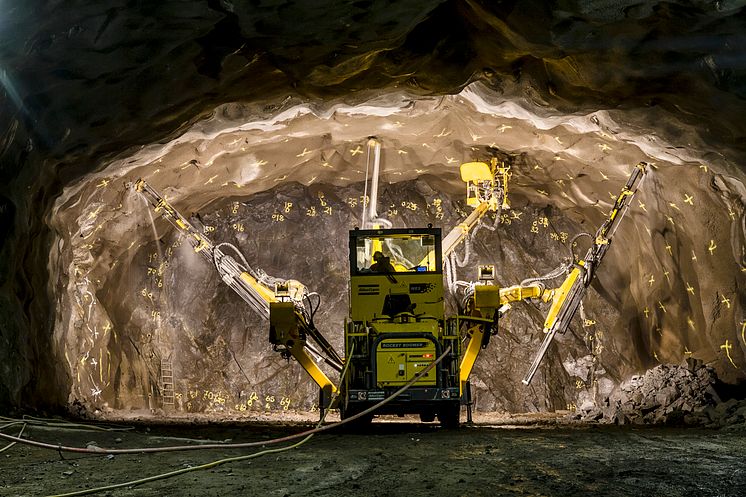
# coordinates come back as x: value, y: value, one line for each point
x: 255, y: 122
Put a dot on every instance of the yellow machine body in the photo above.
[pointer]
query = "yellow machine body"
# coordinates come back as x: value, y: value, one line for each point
x: 399, y: 360
x: 397, y: 326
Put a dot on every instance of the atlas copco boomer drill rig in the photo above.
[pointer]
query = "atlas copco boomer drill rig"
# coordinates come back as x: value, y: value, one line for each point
x: 397, y: 336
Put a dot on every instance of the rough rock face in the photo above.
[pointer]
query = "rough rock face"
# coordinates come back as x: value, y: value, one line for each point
x: 218, y: 102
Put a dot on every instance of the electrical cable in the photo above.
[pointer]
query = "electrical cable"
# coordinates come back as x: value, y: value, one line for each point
x: 11, y: 444
x: 554, y: 273
x: 141, y: 450
x: 164, y: 476
x: 209, y: 465
x: 34, y: 421
x: 572, y: 242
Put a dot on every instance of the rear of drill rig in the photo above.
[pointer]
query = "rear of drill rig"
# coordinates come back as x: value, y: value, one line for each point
x: 402, y: 355
x: 397, y: 326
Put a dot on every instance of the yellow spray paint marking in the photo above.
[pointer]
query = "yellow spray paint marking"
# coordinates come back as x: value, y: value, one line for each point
x: 356, y: 151
x: 651, y: 280
x: 212, y: 178
x: 725, y: 301
x: 304, y: 153
x: 668, y: 249
x: 689, y: 288
x: 474, y: 136
x: 503, y: 127
x: 646, y: 312
x: 688, y: 199
x: 604, y: 147
x: 104, y: 183
x: 444, y: 132
x: 727, y: 346
x: 694, y: 256
x: 95, y: 213
x: 743, y: 332
x: 712, y: 247
x: 673, y: 205
x: 642, y: 206
x: 690, y: 322
x: 703, y: 167
x: 662, y: 307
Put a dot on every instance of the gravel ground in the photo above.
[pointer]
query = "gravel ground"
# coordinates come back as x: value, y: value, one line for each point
x: 498, y: 455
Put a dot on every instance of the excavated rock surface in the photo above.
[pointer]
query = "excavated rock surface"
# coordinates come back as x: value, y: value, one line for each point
x: 219, y: 101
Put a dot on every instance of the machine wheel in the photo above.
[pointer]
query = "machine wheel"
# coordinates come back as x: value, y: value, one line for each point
x: 427, y: 416
x: 450, y: 415
x: 357, y: 425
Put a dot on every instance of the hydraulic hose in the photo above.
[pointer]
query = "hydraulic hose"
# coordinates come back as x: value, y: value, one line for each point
x: 99, y: 450
x: 209, y: 465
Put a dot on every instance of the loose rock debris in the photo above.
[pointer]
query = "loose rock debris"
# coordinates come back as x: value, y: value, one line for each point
x: 670, y: 394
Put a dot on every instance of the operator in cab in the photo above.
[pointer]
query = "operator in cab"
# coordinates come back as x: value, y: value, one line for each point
x: 381, y: 263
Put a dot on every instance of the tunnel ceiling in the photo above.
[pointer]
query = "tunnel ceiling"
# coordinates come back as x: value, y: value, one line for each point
x: 256, y: 117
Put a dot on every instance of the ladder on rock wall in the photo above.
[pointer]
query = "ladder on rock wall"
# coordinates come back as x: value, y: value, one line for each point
x: 167, y: 382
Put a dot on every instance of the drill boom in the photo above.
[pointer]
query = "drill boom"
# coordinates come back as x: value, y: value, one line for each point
x: 569, y: 295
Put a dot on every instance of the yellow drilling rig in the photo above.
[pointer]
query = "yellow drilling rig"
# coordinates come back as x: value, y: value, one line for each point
x: 397, y: 327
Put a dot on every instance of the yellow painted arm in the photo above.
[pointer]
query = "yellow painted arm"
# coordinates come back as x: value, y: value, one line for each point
x: 565, y: 299
x: 293, y: 327
x: 457, y: 234
x: 568, y: 296
x: 516, y: 293
x: 298, y: 351
x: 476, y: 343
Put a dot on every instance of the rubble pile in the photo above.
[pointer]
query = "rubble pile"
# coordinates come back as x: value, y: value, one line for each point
x: 672, y: 395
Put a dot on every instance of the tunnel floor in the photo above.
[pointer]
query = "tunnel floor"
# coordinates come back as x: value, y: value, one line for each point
x: 394, y: 458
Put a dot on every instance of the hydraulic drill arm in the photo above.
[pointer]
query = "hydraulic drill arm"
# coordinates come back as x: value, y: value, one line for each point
x: 457, y: 234
x: 288, y: 331
x: 231, y: 271
x: 486, y: 190
x: 490, y: 302
x: 566, y: 299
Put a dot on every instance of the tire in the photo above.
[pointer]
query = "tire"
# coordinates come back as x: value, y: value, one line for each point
x: 449, y: 416
x: 359, y: 424
x: 427, y: 416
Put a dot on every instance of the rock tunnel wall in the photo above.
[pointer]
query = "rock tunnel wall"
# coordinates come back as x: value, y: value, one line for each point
x: 87, y: 87
x: 286, y: 188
